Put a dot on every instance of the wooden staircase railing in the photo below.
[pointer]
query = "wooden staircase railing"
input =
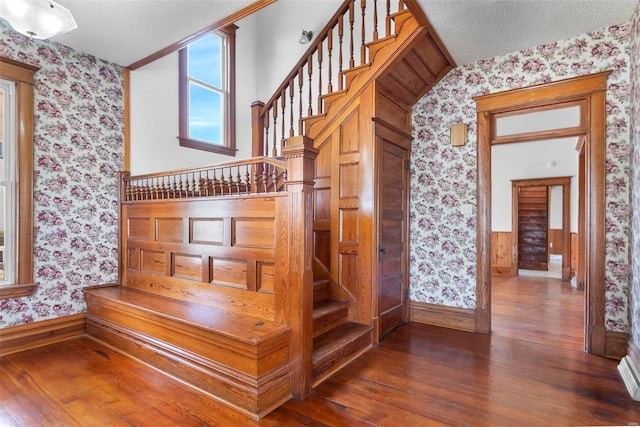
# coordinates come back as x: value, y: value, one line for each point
x: 340, y: 46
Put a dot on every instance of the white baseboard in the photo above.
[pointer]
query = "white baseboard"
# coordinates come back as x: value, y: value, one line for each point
x: 630, y: 376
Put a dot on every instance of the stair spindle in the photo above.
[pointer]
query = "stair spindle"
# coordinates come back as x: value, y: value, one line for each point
x: 330, y: 49
x: 283, y: 105
x: 310, y: 73
x: 274, y: 148
x: 363, y: 34
x: 375, y: 19
x: 387, y: 18
x: 300, y: 85
x: 351, y: 20
x: 340, y: 36
x: 319, y: 95
x: 291, y: 96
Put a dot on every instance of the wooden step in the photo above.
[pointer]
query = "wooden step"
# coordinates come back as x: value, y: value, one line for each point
x: 320, y: 289
x: 328, y: 314
x: 400, y: 18
x: 240, y: 359
x: 374, y: 46
x: 337, y: 347
x: 328, y: 98
x: 352, y: 73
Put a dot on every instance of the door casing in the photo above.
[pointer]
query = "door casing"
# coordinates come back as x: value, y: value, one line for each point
x: 590, y: 92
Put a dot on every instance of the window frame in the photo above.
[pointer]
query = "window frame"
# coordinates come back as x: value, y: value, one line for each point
x: 229, y: 147
x: 23, y: 76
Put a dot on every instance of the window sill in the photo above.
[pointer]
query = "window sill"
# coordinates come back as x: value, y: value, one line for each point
x: 213, y: 148
x: 15, y: 291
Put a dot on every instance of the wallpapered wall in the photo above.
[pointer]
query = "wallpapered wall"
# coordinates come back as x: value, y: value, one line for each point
x: 443, y: 251
x: 635, y: 176
x: 78, y: 150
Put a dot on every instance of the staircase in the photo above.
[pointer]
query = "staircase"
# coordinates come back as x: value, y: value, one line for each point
x: 403, y: 60
x: 336, y: 341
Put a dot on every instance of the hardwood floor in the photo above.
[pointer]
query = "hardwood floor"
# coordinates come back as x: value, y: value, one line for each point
x: 418, y: 376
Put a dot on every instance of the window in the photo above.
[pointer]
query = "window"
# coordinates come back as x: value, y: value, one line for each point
x: 207, y: 93
x: 7, y: 180
x: 17, y: 129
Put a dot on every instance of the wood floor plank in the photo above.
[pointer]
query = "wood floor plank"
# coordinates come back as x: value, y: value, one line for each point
x: 529, y: 371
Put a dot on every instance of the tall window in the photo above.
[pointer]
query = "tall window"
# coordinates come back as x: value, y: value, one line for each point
x: 7, y: 180
x: 17, y: 177
x: 207, y: 93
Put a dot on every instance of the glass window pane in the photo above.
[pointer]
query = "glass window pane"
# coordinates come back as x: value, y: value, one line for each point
x: 204, y: 60
x: 558, y: 118
x: 205, y: 114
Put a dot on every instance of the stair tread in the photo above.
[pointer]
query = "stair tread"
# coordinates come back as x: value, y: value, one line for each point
x: 326, y: 306
x: 336, y: 338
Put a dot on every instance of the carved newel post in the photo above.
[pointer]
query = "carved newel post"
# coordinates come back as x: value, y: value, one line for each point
x: 301, y: 158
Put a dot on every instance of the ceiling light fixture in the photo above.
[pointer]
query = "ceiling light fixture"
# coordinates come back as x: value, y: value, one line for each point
x: 38, y: 19
x: 305, y: 37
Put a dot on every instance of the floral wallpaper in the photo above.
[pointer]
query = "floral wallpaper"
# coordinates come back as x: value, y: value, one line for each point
x: 78, y: 150
x: 443, y: 252
x: 634, y: 291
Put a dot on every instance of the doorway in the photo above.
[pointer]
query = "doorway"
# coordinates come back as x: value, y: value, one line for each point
x: 588, y: 92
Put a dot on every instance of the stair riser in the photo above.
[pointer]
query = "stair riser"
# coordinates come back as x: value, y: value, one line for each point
x: 330, y: 321
x: 341, y: 353
x: 320, y: 292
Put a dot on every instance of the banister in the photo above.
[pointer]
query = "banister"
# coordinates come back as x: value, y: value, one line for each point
x: 307, y: 54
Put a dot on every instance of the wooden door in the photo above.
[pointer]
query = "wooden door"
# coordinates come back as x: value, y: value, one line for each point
x: 392, y: 236
x: 533, y: 226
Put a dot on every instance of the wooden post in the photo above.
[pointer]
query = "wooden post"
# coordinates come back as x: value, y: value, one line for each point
x: 299, y: 304
x: 257, y: 129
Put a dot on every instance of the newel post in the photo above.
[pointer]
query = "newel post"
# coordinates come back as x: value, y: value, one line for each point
x: 301, y: 157
x: 257, y: 129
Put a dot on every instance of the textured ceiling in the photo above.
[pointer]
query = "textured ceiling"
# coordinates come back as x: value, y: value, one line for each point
x: 125, y: 31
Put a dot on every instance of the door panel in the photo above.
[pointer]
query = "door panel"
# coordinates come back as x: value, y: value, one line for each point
x: 533, y: 227
x: 392, y: 234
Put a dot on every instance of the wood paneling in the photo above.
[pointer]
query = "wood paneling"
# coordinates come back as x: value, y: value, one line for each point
x: 555, y: 241
x: 501, y: 255
x: 574, y: 252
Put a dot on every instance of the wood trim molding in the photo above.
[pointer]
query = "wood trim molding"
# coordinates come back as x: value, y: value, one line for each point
x: 242, y: 13
x: 615, y: 344
x: 23, y: 75
x: 589, y: 90
x: 15, y: 291
x: 447, y: 317
x: 38, y: 334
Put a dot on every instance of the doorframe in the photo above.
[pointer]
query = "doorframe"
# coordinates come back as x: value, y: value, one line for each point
x: 565, y: 182
x: 590, y: 92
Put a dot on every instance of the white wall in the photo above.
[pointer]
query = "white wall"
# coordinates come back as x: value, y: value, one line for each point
x: 266, y: 49
x: 530, y: 160
x: 154, y: 109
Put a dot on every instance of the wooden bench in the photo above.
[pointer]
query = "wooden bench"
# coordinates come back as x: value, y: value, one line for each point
x: 236, y: 358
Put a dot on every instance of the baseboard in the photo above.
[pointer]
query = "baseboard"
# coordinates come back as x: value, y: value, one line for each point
x: 629, y: 369
x: 502, y: 270
x: 448, y: 317
x: 615, y: 344
x: 38, y: 334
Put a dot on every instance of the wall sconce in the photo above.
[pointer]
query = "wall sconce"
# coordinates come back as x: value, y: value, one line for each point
x: 38, y: 19
x: 458, y: 134
x: 305, y: 37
